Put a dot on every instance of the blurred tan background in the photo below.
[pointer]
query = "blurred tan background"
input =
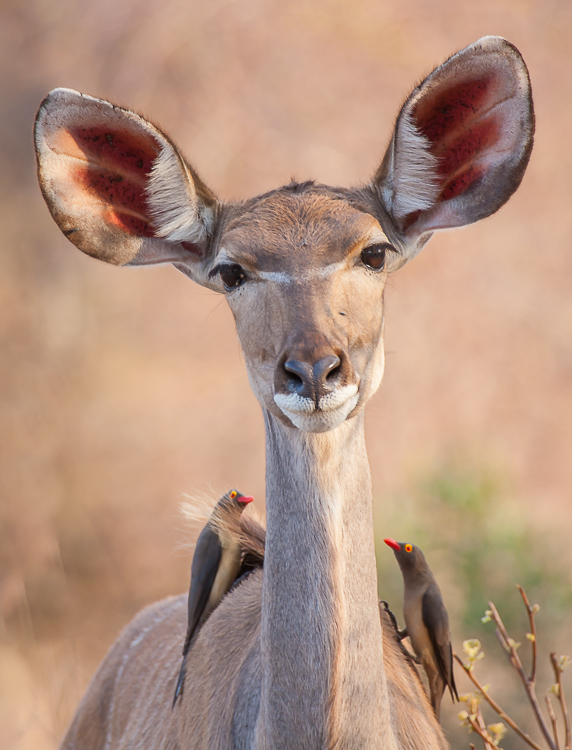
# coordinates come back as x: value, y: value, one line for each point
x: 122, y: 389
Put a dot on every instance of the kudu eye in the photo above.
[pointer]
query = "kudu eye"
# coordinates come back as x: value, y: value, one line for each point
x: 374, y: 256
x: 232, y: 275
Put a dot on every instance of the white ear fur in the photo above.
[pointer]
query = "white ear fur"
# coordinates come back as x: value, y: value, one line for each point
x: 177, y: 214
x: 412, y: 180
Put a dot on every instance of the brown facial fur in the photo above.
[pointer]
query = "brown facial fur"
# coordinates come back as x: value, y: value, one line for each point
x: 307, y: 293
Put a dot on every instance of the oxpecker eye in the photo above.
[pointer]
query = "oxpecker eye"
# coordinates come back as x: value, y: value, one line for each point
x: 233, y: 494
x: 374, y: 256
x: 232, y: 275
x: 408, y: 547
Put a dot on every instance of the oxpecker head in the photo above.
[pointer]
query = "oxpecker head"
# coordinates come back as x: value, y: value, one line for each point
x: 409, y: 556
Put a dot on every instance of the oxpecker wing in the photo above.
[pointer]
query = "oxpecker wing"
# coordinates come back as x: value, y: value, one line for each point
x: 436, y: 620
x: 206, y: 561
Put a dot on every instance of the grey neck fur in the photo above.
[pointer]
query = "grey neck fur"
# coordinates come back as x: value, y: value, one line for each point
x: 323, y: 681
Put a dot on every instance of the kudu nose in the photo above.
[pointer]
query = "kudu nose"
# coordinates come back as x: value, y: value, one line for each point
x: 312, y: 380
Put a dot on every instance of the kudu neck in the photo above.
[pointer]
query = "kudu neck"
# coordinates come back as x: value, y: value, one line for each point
x: 323, y: 680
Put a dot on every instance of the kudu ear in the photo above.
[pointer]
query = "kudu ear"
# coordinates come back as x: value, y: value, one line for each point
x: 118, y: 188
x: 461, y: 143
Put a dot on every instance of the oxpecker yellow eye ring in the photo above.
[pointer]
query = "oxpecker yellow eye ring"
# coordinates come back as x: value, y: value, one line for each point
x: 408, y: 547
x: 233, y: 494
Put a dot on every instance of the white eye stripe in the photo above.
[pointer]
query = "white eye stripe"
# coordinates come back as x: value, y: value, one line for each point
x: 277, y: 276
x: 280, y: 277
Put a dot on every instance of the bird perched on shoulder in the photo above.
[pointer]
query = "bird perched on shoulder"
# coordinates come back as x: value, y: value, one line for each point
x: 426, y: 621
x: 217, y: 564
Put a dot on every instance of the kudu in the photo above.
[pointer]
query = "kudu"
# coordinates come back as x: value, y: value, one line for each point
x: 296, y: 656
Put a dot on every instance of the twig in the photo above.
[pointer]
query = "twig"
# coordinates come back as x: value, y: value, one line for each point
x: 482, y: 732
x: 495, y: 706
x: 509, y: 646
x: 561, y: 699
x: 531, y: 613
x: 552, y: 719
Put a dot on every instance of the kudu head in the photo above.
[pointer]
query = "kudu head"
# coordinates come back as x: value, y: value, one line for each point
x: 303, y: 267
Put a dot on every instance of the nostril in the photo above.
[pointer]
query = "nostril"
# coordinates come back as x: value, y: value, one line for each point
x: 334, y: 371
x: 294, y: 383
x: 327, y: 369
x: 299, y: 375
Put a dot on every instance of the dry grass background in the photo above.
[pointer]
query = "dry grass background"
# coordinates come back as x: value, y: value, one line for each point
x: 122, y: 389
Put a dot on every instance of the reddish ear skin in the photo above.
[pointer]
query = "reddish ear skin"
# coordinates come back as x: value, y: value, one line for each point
x: 445, y: 112
x: 119, y: 149
x: 116, y: 192
x: 130, y: 224
x: 116, y: 168
x: 441, y: 119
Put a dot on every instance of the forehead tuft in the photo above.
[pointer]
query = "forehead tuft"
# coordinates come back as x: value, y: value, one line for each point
x: 297, y: 221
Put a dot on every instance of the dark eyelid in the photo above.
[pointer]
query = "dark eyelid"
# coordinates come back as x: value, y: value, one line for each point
x: 216, y: 270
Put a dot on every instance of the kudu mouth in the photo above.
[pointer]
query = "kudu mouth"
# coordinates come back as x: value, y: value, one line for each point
x: 315, y: 386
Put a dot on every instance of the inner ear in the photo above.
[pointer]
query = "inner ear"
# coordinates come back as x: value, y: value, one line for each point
x: 467, y: 126
x: 461, y: 142
x: 108, y: 169
x: 117, y: 186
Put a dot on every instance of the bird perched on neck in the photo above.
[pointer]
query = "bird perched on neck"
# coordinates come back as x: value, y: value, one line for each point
x: 426, y: 621
x: 217, y: 564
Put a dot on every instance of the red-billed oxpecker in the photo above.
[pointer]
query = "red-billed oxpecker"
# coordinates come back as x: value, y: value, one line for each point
x: 426, y: 620
x: 216, y: 566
